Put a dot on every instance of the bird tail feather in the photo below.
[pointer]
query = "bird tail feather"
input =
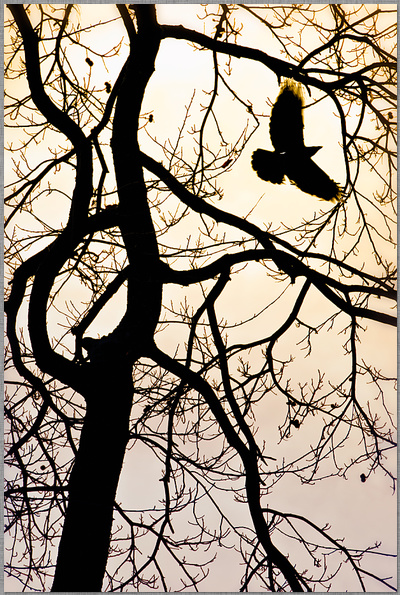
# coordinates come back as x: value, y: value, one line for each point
x: 268, y: 166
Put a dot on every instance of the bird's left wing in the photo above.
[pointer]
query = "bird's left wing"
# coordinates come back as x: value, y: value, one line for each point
x: 286, y: 124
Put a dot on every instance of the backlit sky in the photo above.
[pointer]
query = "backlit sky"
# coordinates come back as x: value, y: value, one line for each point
x: 363, y: 513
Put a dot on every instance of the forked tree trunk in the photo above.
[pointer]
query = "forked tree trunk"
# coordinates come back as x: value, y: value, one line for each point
x: 83, y: 550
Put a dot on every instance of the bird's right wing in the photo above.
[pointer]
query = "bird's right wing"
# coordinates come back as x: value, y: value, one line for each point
x: 286, y: 123
x: 310, y: 178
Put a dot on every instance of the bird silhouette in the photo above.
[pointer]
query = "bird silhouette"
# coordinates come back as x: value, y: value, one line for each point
x: 291, y: 157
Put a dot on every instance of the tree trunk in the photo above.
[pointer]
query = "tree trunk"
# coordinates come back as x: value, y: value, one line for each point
x: 83, y: 550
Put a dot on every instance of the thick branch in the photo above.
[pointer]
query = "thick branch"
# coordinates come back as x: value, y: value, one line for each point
x: 144, y: 286
x: 285, y: 261
x: 249, y: 459
x: 50, y: 111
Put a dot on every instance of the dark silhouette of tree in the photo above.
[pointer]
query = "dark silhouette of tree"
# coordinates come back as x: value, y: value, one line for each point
x: 291, y: 157
x: 176, y: 363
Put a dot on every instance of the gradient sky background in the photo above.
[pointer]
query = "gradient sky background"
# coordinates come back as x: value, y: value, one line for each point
x: 362, y: 513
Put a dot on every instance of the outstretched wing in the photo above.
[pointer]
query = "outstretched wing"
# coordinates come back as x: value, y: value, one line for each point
x: 310, y: 178
x: 286, y: 124
x: 268, y: 166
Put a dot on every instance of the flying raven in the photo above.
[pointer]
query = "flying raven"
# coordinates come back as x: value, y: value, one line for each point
x: 291, y: 157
